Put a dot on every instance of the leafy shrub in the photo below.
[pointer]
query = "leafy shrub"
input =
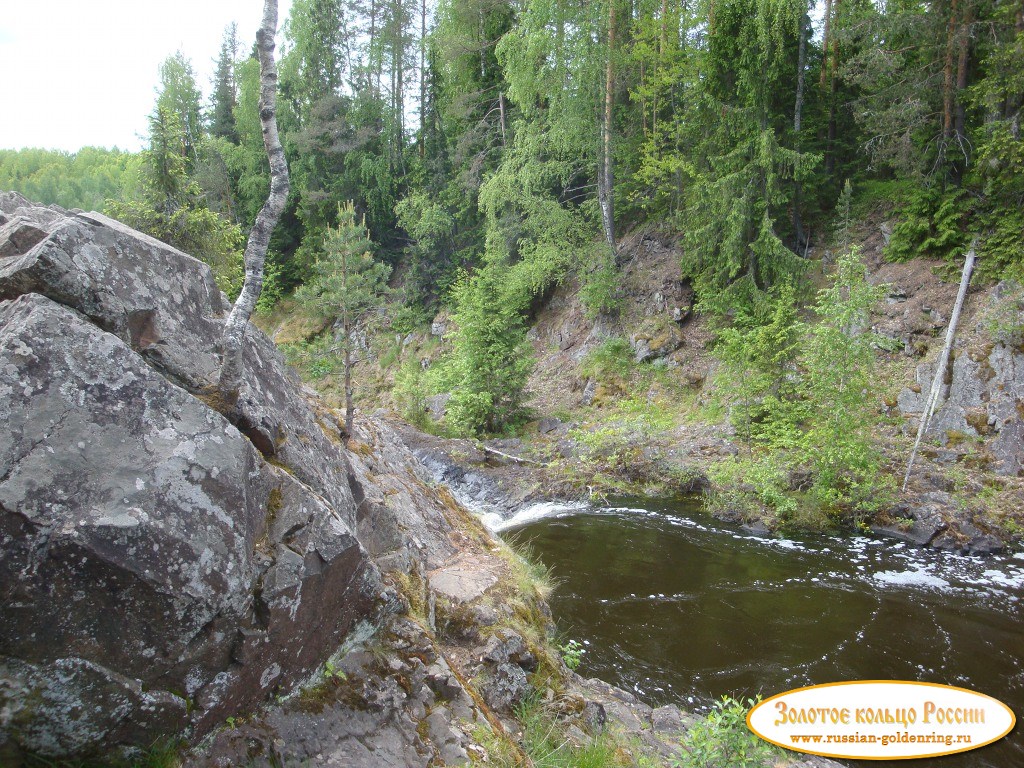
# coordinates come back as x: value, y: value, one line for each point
x: 801, y: 397
x: 723, y: 739
x: 749, y: 484
x: 491, y: 358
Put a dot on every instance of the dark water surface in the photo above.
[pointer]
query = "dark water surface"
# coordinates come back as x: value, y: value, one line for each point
x: 680, y: 608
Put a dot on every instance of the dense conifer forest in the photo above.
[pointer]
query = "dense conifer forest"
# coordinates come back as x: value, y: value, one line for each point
x: 479, y: 152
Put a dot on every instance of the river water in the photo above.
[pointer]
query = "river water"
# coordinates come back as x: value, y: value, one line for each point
x: 680, y: 608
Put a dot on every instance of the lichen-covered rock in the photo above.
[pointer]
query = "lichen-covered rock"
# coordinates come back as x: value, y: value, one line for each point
x: 983, y: 396
x: 157, y: 573
x: 386, y: 708
x: 166, y: 306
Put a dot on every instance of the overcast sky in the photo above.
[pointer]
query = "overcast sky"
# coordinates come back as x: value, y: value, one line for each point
x: 84, y: 72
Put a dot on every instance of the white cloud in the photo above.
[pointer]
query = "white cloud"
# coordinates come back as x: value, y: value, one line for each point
x: 84, y: 73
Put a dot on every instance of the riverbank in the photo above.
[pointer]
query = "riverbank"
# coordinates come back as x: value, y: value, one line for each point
x: 561, y: 464
x: 470, y: 669
x: 631, y: 402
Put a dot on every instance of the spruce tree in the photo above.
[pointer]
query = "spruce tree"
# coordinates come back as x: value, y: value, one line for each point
x: 225, y: 88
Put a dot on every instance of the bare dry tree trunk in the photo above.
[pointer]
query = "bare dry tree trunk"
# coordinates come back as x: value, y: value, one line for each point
x: 940, y: 372
x: 232, y: 342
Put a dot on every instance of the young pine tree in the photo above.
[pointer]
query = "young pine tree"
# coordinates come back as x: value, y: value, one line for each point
x: 347, y: 285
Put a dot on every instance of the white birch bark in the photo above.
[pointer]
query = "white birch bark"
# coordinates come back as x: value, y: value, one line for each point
x: 233, y: 340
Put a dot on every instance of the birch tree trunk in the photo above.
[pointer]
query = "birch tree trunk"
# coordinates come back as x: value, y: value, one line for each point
x: 940, y: 372
x: 233, y: 340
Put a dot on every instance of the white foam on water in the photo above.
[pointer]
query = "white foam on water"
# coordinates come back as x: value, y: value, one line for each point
x: 911, y: 578
x: 1012, y: 578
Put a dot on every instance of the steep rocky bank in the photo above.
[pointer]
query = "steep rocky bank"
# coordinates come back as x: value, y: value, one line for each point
x: 252, y: 589
x: 966, y: 493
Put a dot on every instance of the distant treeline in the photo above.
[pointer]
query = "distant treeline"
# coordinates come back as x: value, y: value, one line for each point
x: 85, y: 179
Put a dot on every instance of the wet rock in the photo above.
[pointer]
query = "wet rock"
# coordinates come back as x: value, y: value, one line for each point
x: 462, y: 582
x: 667, y: 719
x: 924, y: 519
x: 985, y: 544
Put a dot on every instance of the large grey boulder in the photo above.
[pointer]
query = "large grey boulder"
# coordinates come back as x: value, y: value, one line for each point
x: 166, y: 306
x: 161, y: 568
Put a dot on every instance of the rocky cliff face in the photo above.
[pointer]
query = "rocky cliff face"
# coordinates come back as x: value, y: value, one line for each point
x: 982, y: 400
x: 161, y: 568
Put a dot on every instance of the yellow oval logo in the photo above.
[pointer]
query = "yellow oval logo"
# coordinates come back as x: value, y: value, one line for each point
x: 881, y: 720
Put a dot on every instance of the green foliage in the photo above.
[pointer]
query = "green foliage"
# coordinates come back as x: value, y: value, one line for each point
x: 85, y: 179
x: 1004, y: 320
x: 492, y: 167
x: 758, y: 355
x: 547, y: 747
x: 932, y: 226
x: 164, y: 753
x: 171, y: 207
x: 410, y: 393
x: 744, y: 174
x: 347, y: 284
x: 600, y: 289
x: 179, y: 96
x: 612, y: 359
x: 839, y: 362
x: 347, y: 281
x: 572, y: 653
x: 273, y: 289
x: 491, y: 358
x: 723, y: 739
x: 804, y: 395
x: 747, y: 485
x: 315, y: 358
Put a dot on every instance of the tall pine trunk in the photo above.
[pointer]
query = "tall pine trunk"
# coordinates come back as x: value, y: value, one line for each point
x: 947, y: 75
x: 960, y: 109
x: 798, y: 109
x: 423, y: 75
x: 233, y: 339
x: 606, y: 179
x: 830, y: 80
